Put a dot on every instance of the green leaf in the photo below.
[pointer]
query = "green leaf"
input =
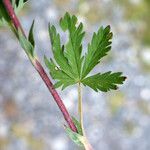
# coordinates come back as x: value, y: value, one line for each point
x: 75, y: 137
x: 30, y: 36
x: 78, y: 125
x: 105, y: 81
x: 62, y: 78
x: 78, y: 139
x: 26, y: 45
x: 73, y: 48
x: 69, y: 66
x: 97, y: 49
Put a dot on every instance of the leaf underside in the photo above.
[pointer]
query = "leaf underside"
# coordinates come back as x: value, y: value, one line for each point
x: 69, y: 66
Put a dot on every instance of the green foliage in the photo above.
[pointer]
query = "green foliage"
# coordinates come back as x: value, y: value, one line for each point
x: 105, y: 81
x: 70, y: 66
x: 78, y: 125
x: 31, y: 36
x: 70, y: 60
x: 76, y: 137
x: 97, y: 49
x: 64, y: 72
x: 73, y: 46
x: 4, y: 18
x: 27, y: 44
x: 57, y: 73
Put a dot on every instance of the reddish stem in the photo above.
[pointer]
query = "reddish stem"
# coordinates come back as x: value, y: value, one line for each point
x: 40, y: 69
x: 12, y: 15
x: 54, y: 93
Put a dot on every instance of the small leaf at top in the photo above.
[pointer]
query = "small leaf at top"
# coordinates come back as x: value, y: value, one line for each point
x: 31, y: 36
x: 26, y: 45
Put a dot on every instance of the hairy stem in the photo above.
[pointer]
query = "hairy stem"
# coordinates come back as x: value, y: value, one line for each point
x: 40, y: 69
x: 80, y: 106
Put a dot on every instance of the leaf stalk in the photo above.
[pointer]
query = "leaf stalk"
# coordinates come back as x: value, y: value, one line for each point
x: 85, y: 141
x: 80, y: 106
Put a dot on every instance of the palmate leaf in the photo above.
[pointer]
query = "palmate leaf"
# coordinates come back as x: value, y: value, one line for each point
x: 104, y: 82
x: 97, y: 49
x: 70, y: 67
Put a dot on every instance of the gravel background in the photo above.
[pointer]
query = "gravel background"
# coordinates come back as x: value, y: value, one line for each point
x: 117, y: 120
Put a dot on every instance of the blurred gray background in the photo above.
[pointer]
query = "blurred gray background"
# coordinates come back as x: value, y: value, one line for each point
x: 117, y: 120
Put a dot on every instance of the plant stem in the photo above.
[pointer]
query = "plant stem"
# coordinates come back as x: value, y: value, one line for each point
x: 40, y: 69
x: 87, y: 145
x: 12, y: 15
x: 54, y: 93
x: 80, y: 106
